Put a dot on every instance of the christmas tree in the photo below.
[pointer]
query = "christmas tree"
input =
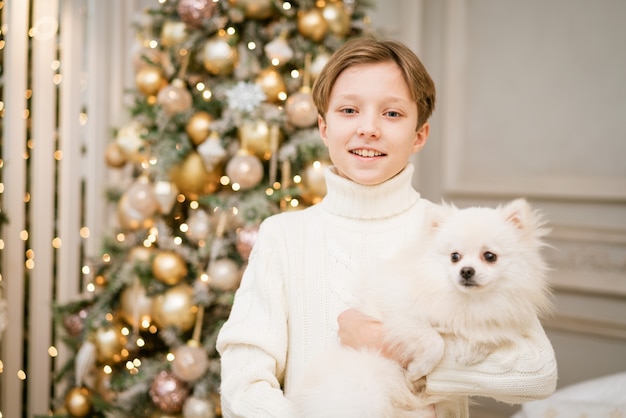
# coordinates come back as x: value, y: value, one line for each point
x: 223, y: 134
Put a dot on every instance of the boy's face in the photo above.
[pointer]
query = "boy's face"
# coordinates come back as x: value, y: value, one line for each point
x: 369, y: 127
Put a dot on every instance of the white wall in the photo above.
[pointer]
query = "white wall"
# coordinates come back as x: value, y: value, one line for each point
x: 532, y: 102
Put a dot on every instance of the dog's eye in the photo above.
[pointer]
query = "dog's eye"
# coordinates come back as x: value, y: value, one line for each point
x: 490, y: 257
x: 455, y: 257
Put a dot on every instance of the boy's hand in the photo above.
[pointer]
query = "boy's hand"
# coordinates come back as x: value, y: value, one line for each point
x: 357, y: 330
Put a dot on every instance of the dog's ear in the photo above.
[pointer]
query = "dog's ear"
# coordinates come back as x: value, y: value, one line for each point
x: 523, y: 217
x: 517, y: 212
x: 437, y: 214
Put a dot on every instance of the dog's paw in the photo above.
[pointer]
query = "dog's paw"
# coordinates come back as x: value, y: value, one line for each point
x: 417, y: 386
x: 420, y: 367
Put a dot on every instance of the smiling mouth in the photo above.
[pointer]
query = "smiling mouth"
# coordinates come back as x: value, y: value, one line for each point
x: 367, y: 153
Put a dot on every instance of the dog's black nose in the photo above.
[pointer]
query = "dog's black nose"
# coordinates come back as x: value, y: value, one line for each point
x: 467, y: 272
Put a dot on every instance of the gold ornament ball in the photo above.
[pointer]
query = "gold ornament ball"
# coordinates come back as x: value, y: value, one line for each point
x: 255, y: 9
x: 149, y: 80
x: 78, y: 402
x: 337, y: 17
x: 109, y: 342
x: 314, y: 182
x: 224, y: 274
x: 198, y: 127
x: 312, y: 25
x: 173, y: 33
x: 245, y: 169
x: 301, y: 110
x: 135, y: 305
x: 218, y: 56
x: 175, y: 308
x: 174, y: 98
x: 255, y: 136
x: 169, y: 267
x: 272, y: 84
x: 114, y: 155
x: 192, y: 179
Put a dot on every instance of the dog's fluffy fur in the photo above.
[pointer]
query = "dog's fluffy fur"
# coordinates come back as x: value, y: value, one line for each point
x: 474, y: 283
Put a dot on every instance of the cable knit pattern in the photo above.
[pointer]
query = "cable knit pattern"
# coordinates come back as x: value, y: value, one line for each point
x: 301, y: 274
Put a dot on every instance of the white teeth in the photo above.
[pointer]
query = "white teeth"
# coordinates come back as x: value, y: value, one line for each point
x: 367, y: 153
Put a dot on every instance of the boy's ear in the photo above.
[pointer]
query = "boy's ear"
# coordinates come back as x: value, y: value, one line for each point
x: 421, y: 136
x: 321, y: 124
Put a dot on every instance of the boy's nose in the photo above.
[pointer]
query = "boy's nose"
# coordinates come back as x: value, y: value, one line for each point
x: 369, y: 129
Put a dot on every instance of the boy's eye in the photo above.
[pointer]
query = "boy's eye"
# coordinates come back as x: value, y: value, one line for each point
x: 393, y: 114
x: 455, y: 257
x: 348, y: 110
x: 490, y: 257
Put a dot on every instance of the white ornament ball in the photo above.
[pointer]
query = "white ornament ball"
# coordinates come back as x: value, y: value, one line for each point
x: 175, y: 98
x: 165, y: 193
x: 195, y: 407
x: 141, y: 197
x: 212, y: 152
x: 318, y: 64
x: 135, y: 305
x: 199, y: 225
x: 131, y: 218
x: 245, y: 170
x: 224, y: 274
x: 129, y: 138
x: 278, y: 51
x: 301, y: 110
x: 218, y: 56
x: 190, y: 362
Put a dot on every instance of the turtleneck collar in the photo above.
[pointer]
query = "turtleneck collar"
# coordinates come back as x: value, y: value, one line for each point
x: 352, y: 200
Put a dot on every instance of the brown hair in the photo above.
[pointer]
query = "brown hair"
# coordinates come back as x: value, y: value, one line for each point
x: 368, y: 50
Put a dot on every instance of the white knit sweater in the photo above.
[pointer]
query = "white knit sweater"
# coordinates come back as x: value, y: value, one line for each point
x: 301, y: 275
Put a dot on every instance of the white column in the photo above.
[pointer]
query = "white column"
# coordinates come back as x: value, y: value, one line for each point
x: 42, y: 208
x: 14, y: 175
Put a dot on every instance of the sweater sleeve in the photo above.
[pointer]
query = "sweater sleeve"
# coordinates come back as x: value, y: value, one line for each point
x: 524, y: 372
x: 253, y: 341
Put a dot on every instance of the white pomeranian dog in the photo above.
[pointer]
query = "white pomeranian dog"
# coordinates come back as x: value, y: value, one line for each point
x: 475, y: 282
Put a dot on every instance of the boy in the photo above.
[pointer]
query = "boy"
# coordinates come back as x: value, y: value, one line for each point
x: 374, y: 100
